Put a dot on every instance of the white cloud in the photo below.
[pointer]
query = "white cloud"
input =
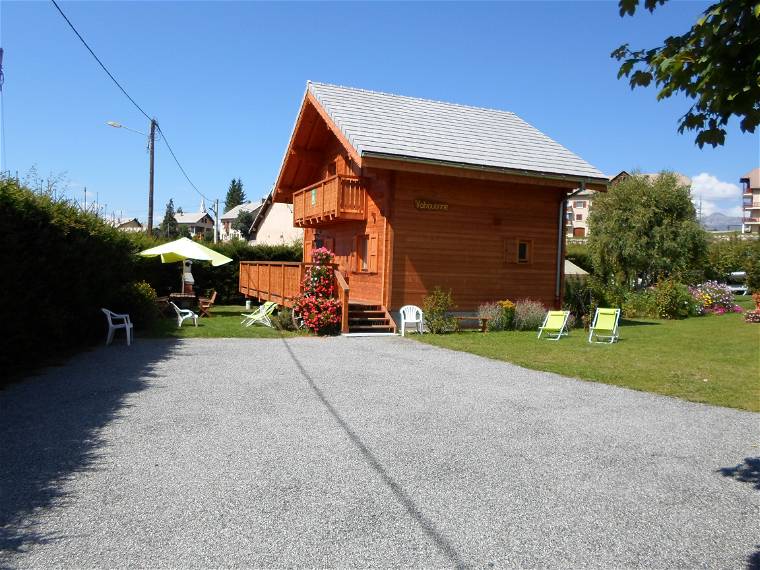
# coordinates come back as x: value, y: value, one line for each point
x: 707, y: 206
x: 708, y: 187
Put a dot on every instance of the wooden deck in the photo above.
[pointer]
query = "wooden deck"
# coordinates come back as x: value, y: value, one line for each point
x: 280, y: 281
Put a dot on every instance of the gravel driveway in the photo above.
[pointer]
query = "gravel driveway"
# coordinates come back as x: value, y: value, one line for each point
x: 363, y: 452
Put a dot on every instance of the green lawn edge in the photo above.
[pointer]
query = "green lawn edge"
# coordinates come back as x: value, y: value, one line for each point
x: 710, y: 360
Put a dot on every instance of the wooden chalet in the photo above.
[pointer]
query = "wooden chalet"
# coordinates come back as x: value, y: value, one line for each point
x: 411, y: 194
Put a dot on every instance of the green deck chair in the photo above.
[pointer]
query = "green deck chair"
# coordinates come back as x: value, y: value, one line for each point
x: 555, y: 325
x: 605, y: 326
x: 261, y: 316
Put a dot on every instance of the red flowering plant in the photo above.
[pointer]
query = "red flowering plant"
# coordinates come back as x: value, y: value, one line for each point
x: 316, y: 306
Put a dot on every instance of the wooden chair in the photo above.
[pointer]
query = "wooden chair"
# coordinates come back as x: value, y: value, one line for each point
x: 205, y: 304
x: 125, y: 324
x: 163, y: 306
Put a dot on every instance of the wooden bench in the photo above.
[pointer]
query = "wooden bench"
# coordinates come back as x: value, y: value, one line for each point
x: 483, y: 322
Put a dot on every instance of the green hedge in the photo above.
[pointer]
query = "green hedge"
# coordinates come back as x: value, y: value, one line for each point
x: 58, y: 267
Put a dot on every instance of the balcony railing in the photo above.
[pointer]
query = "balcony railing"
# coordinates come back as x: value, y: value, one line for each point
x: 750, y: 220
x: 333, y: 199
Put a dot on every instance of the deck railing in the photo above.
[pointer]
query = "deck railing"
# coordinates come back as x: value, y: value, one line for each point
x: 281, y: 282
x: 336, y: 198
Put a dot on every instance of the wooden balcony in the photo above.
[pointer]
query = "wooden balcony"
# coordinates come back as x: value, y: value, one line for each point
x: 334, y: 199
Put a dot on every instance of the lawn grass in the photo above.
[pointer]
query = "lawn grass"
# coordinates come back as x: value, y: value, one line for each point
x: 224, y: 323
x: 712, y: 359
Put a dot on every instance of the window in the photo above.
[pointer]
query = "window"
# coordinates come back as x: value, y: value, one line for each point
x: 331, y: 169
x: 578, y: 217
x: 523, y: 251
x: 579, y: 204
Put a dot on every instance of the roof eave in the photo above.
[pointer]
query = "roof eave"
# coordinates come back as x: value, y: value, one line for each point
x: 600, y: 182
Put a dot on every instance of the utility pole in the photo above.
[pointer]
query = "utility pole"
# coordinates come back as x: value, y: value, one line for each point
x: 151, y: 148
x: 85, y: 198
x: 216, y: 220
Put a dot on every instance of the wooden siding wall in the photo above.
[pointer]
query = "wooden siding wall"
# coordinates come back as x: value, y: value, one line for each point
x: 463, y: 247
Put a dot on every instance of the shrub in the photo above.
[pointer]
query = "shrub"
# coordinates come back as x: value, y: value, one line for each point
x: 501, y: 314
x: 712, y: 297
x: 283, y: 320
x: 507, y: 313
x: 579, y: 254
x: 673, y: 300
x: 640, y: 304
x: 138, y: 300
x: 752, y: 267
x: 436, y: 308
x: 58, y: 267
x: 727, y: 255
x: 577, y: 298
x: 529, y: 315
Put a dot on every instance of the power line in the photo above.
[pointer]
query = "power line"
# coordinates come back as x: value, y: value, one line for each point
x: 174, y: 156
x: 98, y: 60
x: 163, y: 136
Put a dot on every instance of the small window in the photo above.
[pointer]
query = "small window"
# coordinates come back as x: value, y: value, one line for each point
x: 523, y: 251
x: 332, y: 169
x: 579, y: 204
x: 578, y: 217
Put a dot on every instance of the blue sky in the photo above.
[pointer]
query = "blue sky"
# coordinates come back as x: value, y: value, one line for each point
x: 225, y: 81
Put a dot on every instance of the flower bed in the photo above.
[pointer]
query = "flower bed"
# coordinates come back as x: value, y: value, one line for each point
x: 321, y: 313
x: 712, y: 297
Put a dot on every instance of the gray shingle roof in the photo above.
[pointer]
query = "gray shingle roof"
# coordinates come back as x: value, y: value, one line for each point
x: 247, y: 207
x: 406, y: 127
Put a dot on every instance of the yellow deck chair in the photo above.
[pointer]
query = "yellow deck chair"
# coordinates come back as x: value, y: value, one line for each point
x: 605, y: 326
x: 555, y: 325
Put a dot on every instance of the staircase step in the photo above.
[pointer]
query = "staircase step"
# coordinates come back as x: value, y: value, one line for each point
x: 367, y: 315
x: 371, y: 328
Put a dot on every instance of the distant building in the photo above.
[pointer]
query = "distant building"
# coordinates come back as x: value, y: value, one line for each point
x: 577, y: 211
x: 227, y: 232
x: 273, y: 224
x: 751, y: 201
x: 132, y: 225
x: 197, y: 223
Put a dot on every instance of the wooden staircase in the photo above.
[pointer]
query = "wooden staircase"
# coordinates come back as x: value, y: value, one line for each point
x: 369, y: 318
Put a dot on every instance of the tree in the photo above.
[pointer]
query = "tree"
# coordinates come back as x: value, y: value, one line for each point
x: 169, y: 223
x: 716, y: 63
x: 235, y: 195
x: 243, y: 224
x: 645, y: 229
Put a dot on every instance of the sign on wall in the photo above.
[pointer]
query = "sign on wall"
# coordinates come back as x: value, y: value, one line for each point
x: 431, y: 206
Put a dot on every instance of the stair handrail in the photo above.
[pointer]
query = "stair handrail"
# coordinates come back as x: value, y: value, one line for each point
x: 343, y: 298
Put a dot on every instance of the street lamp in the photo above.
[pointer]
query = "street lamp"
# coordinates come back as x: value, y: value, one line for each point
x: 151, y: 147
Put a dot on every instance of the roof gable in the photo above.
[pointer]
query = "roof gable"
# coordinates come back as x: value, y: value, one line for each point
x: 383, y: 124
x: 374, y: 125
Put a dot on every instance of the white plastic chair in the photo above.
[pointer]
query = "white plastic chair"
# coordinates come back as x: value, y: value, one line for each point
x: 125, y: 324
x: 411, y: 315
x: 183, y: 315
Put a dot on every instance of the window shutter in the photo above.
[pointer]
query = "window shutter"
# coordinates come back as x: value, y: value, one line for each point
x: 372, y: 265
